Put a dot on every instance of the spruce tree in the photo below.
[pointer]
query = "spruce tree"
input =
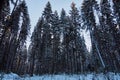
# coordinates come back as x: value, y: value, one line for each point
x: 56, y: 30
x: 37, y: 47
x: 77, y: 48
x: 47, y: 35
x: 64, y: 23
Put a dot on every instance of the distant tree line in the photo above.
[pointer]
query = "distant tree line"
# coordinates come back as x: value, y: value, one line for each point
x: 57, y: 45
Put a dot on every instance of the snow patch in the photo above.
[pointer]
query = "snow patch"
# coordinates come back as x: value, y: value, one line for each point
x: 10, y: 76
x: 90, y: 76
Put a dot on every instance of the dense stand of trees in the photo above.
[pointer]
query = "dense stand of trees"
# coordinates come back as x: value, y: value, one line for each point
x: 14, y: 28
x: 57, y: 45
x: 60, y: 44
x: 104, y: 33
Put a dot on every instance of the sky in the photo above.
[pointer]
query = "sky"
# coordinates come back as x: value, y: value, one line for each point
x: 36, y: 8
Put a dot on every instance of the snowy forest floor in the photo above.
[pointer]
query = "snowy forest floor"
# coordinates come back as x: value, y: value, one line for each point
x: 90, y: 76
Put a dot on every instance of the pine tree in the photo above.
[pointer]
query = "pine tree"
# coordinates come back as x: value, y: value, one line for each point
x: 77, y: 46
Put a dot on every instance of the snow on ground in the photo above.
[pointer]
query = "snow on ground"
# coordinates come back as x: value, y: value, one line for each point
x: 92, y: 76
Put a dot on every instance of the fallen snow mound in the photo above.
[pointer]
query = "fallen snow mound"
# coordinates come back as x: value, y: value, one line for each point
x: 92, y: 76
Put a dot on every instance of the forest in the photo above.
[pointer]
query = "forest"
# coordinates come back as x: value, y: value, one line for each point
x: 57, y: 45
